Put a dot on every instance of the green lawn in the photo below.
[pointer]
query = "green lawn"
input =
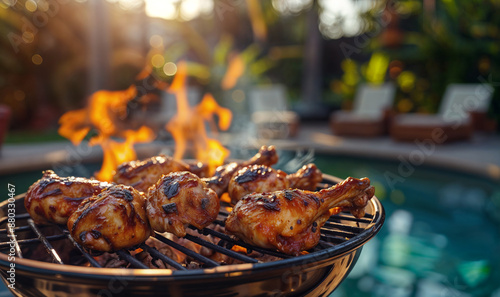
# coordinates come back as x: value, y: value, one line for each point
x: 17, y: 137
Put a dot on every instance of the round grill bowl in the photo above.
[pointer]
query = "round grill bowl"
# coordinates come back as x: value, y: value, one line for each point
x: 317, y: 273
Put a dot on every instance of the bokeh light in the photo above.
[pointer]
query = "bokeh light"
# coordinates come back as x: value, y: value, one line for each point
x: 191, y: 9
x: 404, y: 105
x: 130, y: 4
x: 291, y: 6
x: 157, y: 60
x: 37, y: 59
x: 395, y: 68
x: 238, y: 96
x: 164, y: 9
x: 406, y: 81
x: 343, y: 17
x: 156, y: 41
x: 28, y: 37
x: 187, y: 9
x: 170, y: 68
x: 30, y: 5
x: 380, y: 190
x: 397, y: 197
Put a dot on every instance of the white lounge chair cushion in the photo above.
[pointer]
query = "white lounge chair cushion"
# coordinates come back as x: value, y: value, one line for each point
x: 372, y: 100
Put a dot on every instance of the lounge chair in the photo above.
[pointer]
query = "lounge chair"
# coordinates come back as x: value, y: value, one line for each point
x: 370, y: 115
x: 452, y: 122
x: 270, y: 113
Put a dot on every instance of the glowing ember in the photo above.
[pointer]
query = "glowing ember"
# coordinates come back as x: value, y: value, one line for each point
x: 225, y: 198
x: 239, y: 249
x: 105, y: 113
x: 188, y: 125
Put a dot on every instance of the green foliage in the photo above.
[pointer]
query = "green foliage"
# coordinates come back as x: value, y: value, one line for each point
x: 457, y: 41
x: 19, y: 137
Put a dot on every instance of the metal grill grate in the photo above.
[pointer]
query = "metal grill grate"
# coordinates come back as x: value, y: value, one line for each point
x: 338, y: 229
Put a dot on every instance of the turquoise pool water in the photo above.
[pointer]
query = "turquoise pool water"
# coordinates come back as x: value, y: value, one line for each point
x: 441, y: 237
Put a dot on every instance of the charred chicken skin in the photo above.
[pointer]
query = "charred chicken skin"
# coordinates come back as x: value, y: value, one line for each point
x: 179, y: 199
x: 261, y: 178
x: 52, y: 199
x: 220, y: 181
x: 290, y: 220
x: 143, y: 174
x: 112, y: 220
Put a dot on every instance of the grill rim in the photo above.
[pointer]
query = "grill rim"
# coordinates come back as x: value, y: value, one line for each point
x: 334, y: 252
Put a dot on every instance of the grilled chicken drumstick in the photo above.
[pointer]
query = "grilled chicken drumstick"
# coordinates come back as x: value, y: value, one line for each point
x: 145, y: 173
x: 261, y: 178
x: 112, y: 220
x: 179, y: 199
x: 53, y: 198
x: 290, y: 220
x: 220, y: 181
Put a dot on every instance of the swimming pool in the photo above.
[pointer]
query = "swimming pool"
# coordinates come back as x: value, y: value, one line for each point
x: 441, y: 237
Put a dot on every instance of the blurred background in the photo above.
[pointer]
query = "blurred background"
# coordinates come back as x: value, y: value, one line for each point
x: 54, y: 54
x: 441, y: 236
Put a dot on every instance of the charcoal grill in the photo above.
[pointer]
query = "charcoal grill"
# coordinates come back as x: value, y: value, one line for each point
x: 57, y: 273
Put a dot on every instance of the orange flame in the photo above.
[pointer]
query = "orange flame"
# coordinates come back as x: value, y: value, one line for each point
x: 188, y: 125
x: 106, y: 113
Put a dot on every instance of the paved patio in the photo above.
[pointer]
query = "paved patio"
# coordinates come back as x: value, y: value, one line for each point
x: 480, y: 155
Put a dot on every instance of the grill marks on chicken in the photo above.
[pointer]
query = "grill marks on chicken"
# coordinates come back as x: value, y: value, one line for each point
x: 219, y: 182
x: 179, y: 199
x: 143, y: 174
x: 290, y: 220
x: 306, y: 178
x: 261, y: 178
x: 112, y: 220
x: 268, y: 212
x: 52, y: 199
